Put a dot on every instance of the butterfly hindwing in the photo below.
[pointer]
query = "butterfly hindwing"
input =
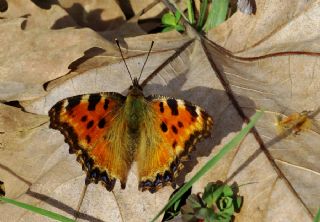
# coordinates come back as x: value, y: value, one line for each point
x: 87, y: 122
x: 179, y: 126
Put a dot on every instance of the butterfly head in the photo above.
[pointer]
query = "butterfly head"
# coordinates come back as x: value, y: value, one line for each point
x: 135, y: 89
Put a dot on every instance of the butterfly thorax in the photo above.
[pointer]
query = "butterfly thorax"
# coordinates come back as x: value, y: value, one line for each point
x: 135, y: 106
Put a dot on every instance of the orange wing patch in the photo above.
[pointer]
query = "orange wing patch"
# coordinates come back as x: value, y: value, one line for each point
x: 84, y: 121
x: 180, y: 125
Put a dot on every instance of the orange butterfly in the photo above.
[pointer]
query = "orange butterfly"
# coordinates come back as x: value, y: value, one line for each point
x: 108, y: 131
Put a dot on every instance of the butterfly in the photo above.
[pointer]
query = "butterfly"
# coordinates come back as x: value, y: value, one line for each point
x: 108, y: 131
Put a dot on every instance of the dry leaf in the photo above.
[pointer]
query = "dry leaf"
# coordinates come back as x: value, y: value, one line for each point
x: 98, y: 15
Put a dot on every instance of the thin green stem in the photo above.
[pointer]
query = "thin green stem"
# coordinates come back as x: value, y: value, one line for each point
x: 203, y: 10
x: 190, y: 12
x: 37, y: 210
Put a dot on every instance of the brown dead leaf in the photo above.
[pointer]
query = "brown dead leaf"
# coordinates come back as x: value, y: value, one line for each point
x: 290, y: 25
x: 32, y: 12
x: 98, y: 15
x: 13, y: 120
x: 39, y: 55
x: 279, y: 174
x: 284, y: 83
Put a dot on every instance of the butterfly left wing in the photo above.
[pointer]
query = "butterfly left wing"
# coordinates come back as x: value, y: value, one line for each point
x: 177, y: 126
x: 87, y: 122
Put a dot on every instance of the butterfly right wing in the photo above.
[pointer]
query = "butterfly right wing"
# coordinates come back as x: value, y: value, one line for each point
x: 171, y: 130
x: 92, y: 128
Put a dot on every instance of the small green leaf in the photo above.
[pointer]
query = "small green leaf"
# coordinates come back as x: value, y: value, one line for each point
x: 222, y: 217
x: 177, y: 16
x: 168, y: 19
x: 225, y: 205
x: 227, y: 191
x: 168, y: 28
x: 171, y: 22
x: 180, y: 28
x: 211, y: 193
x: 238, y: 203
x: 216, y: 204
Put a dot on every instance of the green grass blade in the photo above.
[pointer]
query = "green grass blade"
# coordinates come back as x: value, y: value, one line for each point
x: 190, y: 12
x: 217, y: 13
x: 228, y: 147
x: 203, y: 10
x: 37, y: 210
x: 317, y: 218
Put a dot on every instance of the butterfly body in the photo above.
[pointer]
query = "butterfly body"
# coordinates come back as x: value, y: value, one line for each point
x: 108, y: 131
x: 135, y: 108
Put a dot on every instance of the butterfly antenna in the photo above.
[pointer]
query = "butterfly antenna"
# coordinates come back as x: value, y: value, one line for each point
x: 146, y: 60
x: 123, y: 59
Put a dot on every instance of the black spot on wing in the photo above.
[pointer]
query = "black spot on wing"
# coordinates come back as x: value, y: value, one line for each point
x: 106, y: 104
x: 164, y: 127
x: 173, y: 105
x: 90, y: 124
x: 94, y: 99
x: 102, y: 123
x: 73, y: 102
x: 174, y: 129
x: 84, y: 118
x: 161, y: 107
x: 180, y: 124
x: 191, y: 109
